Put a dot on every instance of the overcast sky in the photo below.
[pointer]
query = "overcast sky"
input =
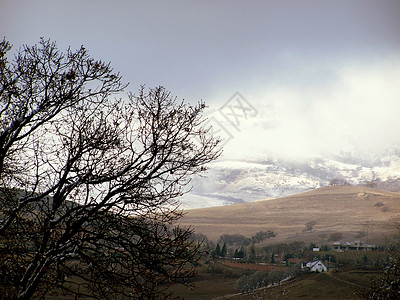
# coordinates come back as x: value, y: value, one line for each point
x: 313, y: 76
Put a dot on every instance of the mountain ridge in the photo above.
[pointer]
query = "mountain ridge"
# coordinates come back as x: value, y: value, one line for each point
x: 239, y: 181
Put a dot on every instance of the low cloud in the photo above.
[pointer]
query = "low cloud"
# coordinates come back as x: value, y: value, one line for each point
x: 355, y: 111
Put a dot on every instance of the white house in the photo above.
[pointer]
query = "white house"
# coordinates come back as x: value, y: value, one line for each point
x: 313, y: 266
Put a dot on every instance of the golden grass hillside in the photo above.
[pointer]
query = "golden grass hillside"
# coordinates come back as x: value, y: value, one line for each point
x: 345, y: 209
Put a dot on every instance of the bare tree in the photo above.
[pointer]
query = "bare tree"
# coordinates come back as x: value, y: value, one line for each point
x: 89, y: 183
x: 369, y: 225
x: 386, y: 285
x: 372, y: 183
x: 309, y: 226
x: 338, y: 181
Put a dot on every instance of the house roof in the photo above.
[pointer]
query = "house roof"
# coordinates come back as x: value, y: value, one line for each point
x: 311, y: 264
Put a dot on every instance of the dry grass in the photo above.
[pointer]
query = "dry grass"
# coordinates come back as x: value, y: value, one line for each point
x: 344, y: 209
x: 207, y: 288
x: 340, y: 285
x: 254, y: 267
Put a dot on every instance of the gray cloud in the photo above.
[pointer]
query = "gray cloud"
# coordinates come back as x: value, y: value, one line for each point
x: 329, y: 69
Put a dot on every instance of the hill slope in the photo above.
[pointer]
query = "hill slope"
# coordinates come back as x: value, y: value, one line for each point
x: 241, y: 181
x: 345, y: 209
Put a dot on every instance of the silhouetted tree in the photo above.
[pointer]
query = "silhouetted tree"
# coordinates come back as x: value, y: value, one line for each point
x: 88, y: 183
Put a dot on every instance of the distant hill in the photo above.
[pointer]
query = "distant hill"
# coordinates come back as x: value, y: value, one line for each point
x: 358, y: 213
x: 240, y: 181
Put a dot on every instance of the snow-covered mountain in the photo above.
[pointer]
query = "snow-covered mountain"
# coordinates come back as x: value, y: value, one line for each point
x: 231, y: 181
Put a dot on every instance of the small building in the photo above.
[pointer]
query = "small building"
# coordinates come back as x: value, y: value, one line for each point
x: 356, y: 245
x: 314, y: 266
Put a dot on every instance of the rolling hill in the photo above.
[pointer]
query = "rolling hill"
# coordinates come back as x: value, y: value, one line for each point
x: 335, y: 209
x: 240, y: 181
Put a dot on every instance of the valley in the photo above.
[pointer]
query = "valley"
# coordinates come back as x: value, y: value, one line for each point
x: 301, y: 222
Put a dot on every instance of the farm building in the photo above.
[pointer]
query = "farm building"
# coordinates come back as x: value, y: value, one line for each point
x: 314, y: 266
x: 356, y: 245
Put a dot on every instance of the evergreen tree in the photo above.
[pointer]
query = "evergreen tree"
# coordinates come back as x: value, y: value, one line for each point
x: 312, y: 246
x: 218, y: 250
x: 241, y: 253
x: 236, y: 255
x: 252, y: 255
x: 223, y: 251
x: 272, y: 258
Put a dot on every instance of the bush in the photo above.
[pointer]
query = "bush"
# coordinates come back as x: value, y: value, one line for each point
x: 259, y: 279
x: 243, y: 284
x: 385, y: 209
x: 335, y: 236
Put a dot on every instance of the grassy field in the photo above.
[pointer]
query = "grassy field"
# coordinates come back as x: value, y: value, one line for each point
x: 342, y: 284
x: 213, y: 279
x: 207, y: 288
x: 336, y: 209
x: 217, y: 278
x: 254, y: 267
x: 357, y: 257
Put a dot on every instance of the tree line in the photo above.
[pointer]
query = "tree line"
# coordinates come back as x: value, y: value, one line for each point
x: 239, y: 239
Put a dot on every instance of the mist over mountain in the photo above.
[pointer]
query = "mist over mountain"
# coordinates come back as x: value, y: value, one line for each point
x: 283, y: 138
x: 238, y: 181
